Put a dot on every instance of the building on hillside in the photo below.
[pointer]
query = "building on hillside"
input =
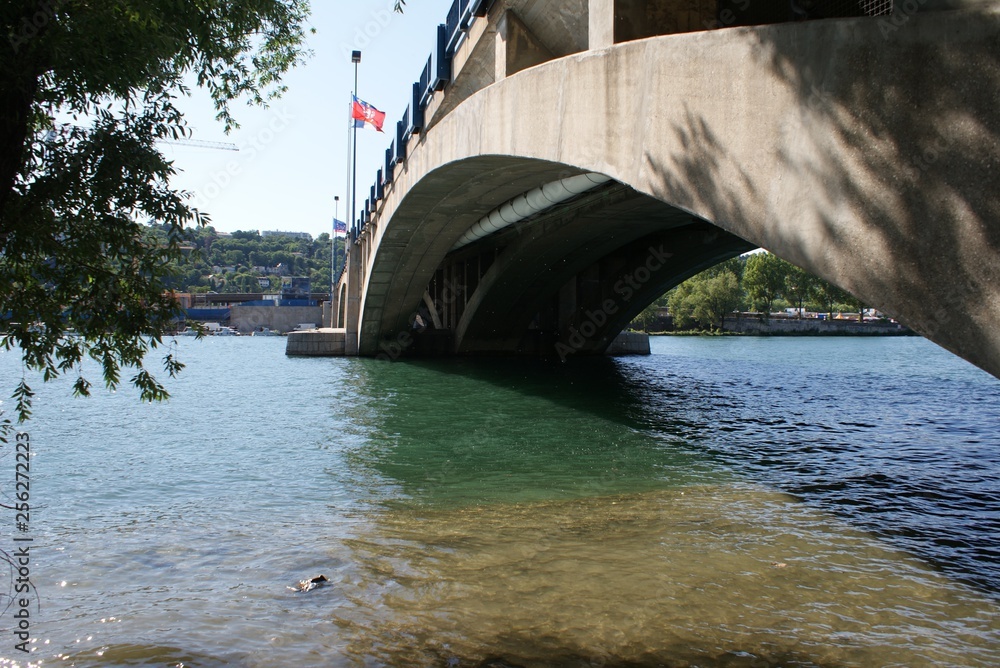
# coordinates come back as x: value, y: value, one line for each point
x: 279, y: 233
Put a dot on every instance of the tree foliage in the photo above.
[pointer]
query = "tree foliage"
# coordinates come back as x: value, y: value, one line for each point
x: 764, y: 281
x: 827, y: 295
x: 237, y: 262
x: 799, y: 286
x: 87, y: 89
x: 705, y: 300
x: 734, y: 265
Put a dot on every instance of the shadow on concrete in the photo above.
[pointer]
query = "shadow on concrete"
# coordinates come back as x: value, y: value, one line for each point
x: 911, y: 145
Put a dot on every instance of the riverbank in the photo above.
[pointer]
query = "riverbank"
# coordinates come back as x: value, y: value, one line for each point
x: 815, y: 326
x: 750, y: 326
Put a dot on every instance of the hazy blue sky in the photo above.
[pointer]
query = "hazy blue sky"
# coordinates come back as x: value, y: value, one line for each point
x: 293, y: 158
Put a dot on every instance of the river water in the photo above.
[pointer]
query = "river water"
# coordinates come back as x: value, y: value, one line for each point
x: 727, y: 502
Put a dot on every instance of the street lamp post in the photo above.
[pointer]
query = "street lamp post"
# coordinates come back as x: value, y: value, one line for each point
x: 356, y: 59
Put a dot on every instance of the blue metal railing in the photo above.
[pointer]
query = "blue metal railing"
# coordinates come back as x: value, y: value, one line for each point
x: 442, y: 59
x: 390, y: 165
x: 402, y: 136
x: 417, y: 111
x: 424, y: 84
x: 435, y: 75
x: 454, y: 24
x: 437, y: 71
x: 480, y: 7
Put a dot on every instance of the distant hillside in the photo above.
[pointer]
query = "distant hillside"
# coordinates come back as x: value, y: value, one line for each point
x: 247, y: 261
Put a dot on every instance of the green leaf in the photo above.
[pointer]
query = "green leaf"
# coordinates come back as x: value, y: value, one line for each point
x: 22, y: 396
x: 81, y: 388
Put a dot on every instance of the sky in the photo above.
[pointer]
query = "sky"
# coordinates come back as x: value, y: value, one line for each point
x: 293, y: 158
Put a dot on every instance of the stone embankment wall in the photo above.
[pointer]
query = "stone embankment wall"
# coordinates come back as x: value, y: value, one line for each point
x: 745, y: 325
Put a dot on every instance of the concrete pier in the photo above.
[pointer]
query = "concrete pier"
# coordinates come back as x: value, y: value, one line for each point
x: 325, y: 342
x: 629, y: 343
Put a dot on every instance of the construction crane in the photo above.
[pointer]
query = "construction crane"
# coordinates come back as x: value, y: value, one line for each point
x: 199, y: 143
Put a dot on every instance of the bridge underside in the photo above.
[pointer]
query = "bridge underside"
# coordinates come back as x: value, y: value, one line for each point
x: 568, y: 281
x: 564, y: 281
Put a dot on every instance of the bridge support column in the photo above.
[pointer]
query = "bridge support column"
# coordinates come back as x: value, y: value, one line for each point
x: 340, y: 316
x: 517, y: 48
x: 329, y: 317
x: 615, y: 21
x: 602, y: 24
x: 352, y: 313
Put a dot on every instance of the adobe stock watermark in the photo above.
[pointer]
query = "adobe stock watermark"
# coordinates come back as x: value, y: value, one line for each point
x: 380, y: 19
x: 390, y: 351
x: 31, y: 26
x: 727, y: 17
x: 250, y: 150
x: 900, y: 16
x: 931, y: 153
x: 626, y: 288
x: 19, y: 561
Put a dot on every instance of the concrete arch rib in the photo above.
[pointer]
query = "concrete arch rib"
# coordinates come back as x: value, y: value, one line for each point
x: 847, y: 152
x: 429, y: 218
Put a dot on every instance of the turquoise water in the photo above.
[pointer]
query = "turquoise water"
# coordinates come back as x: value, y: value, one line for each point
x: 723, y: 502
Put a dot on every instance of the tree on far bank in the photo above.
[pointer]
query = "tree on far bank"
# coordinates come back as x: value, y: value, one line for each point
x: 734, y: 265
x: 799, y: 286
x: 764, y: 281
x: 827, y: 295
x: 87, y: 92
x: 649, y: 314
x: 854, y: 305
x: 705, y: 300
x: 721, y: 296
x: 680, y: 304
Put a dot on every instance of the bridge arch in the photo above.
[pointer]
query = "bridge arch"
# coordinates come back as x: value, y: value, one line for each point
x: 341, y: 306
x: 854, y: 154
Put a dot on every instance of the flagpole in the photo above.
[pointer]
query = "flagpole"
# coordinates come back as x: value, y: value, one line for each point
x: 355, y: 58
x: 350, y: 144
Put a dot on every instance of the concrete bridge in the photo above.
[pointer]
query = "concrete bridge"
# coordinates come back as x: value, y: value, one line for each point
x: 565, y: 162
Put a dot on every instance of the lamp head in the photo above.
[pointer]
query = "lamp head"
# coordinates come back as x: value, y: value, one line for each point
x: 355, y: 57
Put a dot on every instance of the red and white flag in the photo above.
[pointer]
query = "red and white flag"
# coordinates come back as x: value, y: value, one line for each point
x: 365, y: 114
